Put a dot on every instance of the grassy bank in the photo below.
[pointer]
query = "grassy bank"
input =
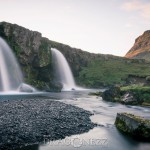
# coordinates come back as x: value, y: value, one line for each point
x: 105, y: 72
x: 140, y: 92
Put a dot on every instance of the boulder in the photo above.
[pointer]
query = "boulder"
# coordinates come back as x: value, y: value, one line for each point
x: 129, y: 95
x: 129, y: 98
x: 135, y: 126
x: 112, y: 94
x: 26, y: 88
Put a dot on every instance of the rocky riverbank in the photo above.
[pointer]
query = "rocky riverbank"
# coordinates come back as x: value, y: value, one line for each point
x: 135, y: 94
x: 134, y: 126
x: 29, y: 121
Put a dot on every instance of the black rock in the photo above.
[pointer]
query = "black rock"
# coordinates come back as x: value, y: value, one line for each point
x: 29, y: 121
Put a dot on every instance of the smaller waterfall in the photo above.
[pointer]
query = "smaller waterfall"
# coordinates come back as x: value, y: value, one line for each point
x: 63, y: 71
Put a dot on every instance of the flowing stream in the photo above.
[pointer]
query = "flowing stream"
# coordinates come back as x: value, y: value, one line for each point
x: 103, y: 137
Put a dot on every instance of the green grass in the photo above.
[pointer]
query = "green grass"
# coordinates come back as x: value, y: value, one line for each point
x: 141, y: 92
x: 102, y: 72
x: 135, y: 87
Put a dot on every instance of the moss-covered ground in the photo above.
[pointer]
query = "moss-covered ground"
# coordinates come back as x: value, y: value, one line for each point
x: 104, y: 72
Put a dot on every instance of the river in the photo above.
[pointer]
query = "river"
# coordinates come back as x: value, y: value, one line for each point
x: 104, y: 136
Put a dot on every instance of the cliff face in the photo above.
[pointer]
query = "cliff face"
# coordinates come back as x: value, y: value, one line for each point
x: 91, y: 70
x: 33, y: 53
x: 141, y: 48
x: 76, y: 58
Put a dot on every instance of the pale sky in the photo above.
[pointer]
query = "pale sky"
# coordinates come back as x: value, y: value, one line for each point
x: 98, y: 26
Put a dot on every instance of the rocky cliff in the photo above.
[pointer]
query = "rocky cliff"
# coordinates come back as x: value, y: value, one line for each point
x: 34, y: 55
x: 91, y: 70
x: 141, y: 48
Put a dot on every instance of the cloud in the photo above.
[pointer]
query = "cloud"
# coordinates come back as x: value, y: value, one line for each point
x: 142, y: 8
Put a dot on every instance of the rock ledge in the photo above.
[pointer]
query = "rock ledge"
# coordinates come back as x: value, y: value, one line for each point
x: 135, y: 126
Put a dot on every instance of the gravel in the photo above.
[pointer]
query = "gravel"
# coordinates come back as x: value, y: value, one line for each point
x: 29, y: 121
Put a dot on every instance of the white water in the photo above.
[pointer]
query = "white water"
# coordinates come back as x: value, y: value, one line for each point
x: 63, y: 71
x: 10, y: 73
x: 3, y: 74
x: 11, y: 78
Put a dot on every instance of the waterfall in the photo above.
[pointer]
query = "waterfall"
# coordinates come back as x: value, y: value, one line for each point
x: 11, y: 78
x: 10, y: 73
x: 62, y: 71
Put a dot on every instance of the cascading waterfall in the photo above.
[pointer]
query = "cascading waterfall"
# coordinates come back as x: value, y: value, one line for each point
x: 63, y: 71
x: 10, y: 73
x: 11, y: 78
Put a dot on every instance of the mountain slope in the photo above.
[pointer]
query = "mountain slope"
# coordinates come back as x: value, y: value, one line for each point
x: 141, y: 48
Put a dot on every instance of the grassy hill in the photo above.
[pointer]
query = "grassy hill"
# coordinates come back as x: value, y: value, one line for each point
x: 112, y: 71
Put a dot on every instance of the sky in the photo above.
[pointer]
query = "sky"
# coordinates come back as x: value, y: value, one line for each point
x: 97, y: 26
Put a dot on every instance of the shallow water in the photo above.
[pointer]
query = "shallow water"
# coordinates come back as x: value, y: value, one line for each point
x: 103, y: 137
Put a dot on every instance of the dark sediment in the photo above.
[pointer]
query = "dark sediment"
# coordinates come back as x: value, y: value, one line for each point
x: 29, y: 121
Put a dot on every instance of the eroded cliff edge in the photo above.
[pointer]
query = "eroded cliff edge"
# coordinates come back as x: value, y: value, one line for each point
x: 141, y: 47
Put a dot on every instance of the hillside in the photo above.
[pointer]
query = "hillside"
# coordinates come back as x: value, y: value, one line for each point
x: 141, y: 47
x: 90, y: 70
x: 107, y: 72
